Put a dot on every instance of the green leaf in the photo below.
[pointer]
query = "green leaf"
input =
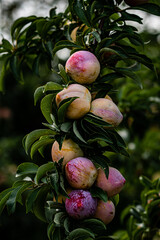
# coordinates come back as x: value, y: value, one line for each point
x: 63, y: 74
x: 63, y: 108
x: 65, y: 44
x: 27, y: 169
x: 119, y: 139
x: 97, y: 36
x: 15, y: 68
x: 95, y: 120
x: 31, y: 199
x: 99, y: 193
x: 15, y: 195
x: 36, y: 64
x: 7, y: 45
x: 130, y: 17
x: 20, y: 23
x: 43, y: 171
x: 62, y: 185
x: 50, y: 230
x: 115, y: 199
x: 150, y: 8
x: 99, y: 137
x: 110, y: 77
x: 80, y: 12
x: 131, y: 75
x: 49, y: 47
x: 95, y: 225
x: 33, y: 136
x: 125, y: 213
x: 66, y: 126
x: 46, y: 107
x: 52, y: 86
x: 59, y: 217
x: 102, y: 161
x: 39, y: 203
x: 54, y: 180
x: 77, y: 132
x: 3, y: 71
x: 142, y: 59
x: 38, y: 94
x: 4, y: 195
x: 145, y: 181
x: 80, y: 234
x: 67, y: 224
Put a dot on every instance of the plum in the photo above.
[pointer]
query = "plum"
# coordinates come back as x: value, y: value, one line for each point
x: 80, y: 106
x: 80, y: 173
x: 80, y: 204
x: 68, y: 151
x: 105, y: 211
x: 113, y: 185
x: 83, y: 67
x: 107, y: 110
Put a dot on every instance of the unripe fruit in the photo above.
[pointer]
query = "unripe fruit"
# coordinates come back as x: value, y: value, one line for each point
x: 81, y: 204
x: 107, y: 110
x: 80, y: 106
x: 80, y: 173
x: 68, y: 151
x: 105, y: 211
x: 83, y: 67
x: 134, y: 3
x: 114, y: 184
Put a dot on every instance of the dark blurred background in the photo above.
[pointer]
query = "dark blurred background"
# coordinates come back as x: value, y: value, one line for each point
x: 18, y: 116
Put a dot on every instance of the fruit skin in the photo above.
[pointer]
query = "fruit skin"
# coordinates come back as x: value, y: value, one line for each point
x: 105, y: 211
x: 113, y: 185
x: 83, y: 67
x: 80, y: 173
x: 134, y: 3
x: 107, y: 110
x: 81, y: 204
x: 80, y: 106
x: 68, y: 151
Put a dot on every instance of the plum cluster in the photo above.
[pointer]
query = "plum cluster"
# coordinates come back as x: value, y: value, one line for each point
x: 80, y: 172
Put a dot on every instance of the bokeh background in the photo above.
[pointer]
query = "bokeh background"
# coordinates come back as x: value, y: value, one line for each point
x: 18, y: 116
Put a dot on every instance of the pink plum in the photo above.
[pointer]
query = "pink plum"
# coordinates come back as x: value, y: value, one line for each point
x: 114, y: 184
x: 68, y: 151
x: 81, y: 204
x: 83, y: 67
x: 80, y: 106
x: 107, y: 110
x: 105, y: 211
x: 80, y: 173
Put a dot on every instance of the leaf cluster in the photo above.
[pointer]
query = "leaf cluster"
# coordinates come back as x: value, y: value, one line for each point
x: 143, y: 219
x: 108, y: 34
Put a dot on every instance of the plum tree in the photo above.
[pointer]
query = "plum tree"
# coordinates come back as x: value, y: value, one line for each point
x: 80, y: 117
